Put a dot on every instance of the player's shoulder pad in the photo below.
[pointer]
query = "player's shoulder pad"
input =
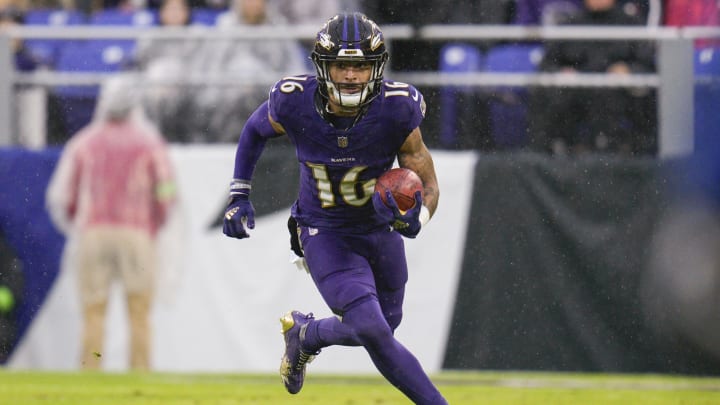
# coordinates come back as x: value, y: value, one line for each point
x: 289, y: 91
x: 404, y: 96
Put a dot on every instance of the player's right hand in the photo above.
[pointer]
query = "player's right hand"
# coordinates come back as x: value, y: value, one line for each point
x: 407, y: 223
x: 239, y: 214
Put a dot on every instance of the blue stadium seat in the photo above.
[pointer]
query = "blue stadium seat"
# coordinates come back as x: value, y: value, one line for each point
x: 97, y: 56
x: 117, y: 17
x: 707, y: 95
x: 205, y: 16
x: 111, y: 17
x: 508, y: 106
x: 455, y: 57
x: 54, y: 17
x: 45, y: 51
x: 139, y: 18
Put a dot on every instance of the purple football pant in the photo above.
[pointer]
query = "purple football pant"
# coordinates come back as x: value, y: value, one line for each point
x: 362, y: 279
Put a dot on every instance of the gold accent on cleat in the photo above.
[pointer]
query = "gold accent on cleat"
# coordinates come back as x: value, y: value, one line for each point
x: 284, y: 369
x: 287, y: 322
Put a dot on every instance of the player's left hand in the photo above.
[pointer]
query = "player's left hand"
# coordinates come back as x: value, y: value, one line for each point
x: 407, y: 223
x: 239, y: 213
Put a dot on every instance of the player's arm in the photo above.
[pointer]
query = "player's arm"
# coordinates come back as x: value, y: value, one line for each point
x: 240, y: 212
x: 414, y: 155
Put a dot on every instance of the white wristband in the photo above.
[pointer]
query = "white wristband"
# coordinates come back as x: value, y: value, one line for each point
x: 424, y: 216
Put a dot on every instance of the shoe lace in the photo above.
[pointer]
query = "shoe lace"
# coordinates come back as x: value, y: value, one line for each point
x: 303, y: 359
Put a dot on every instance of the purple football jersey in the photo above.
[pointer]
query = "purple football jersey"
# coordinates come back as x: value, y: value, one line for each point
x: 338, y: 167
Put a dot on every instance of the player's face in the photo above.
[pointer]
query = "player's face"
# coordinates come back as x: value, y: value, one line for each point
x: 350, y: 77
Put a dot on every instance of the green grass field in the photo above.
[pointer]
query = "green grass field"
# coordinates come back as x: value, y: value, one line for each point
x: 461, y: 388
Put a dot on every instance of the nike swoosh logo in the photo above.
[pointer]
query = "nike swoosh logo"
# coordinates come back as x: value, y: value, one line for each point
x: 273, y: 89
x: 415, y: 96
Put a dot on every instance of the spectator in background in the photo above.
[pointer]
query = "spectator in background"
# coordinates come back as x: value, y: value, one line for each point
x: 682, y: 13
x: 249, y: 12
x: 494, y: 12
x: 212, y: 112
x: 685, y: 13
x: 223, y: 108
x: 412, y: 54
x: 13, y: 17
x: 110, y: 194
x: 174, y: 13
x: 308, y: 11
x: 29, y: 100
x: 165, y: 62
x: 19, y: 5
x: 555, y: 12
x: 584, y: 119
x: 545, y: 12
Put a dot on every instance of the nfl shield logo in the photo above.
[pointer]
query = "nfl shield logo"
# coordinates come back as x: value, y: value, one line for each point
x: 343, y: 141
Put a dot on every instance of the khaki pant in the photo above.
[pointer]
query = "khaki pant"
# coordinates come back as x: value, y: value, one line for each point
x: 106, y: 254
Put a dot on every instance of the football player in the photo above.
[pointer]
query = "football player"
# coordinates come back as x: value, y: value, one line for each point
x: 348, y: 125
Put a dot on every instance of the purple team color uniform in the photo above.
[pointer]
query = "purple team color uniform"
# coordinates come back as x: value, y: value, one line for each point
x: 350, y: 159
x: 356, y: 261
x: 348, y: 126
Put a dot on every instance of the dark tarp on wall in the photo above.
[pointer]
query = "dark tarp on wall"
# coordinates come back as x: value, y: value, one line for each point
x: 274, y: 182
x: 552, y: 276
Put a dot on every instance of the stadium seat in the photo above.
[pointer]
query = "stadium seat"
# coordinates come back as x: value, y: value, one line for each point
x: 455, y: 57
x: 139, y: 18
x: 508, y: 105
x: 45, y: 51
x: 205, y: 16
x: 707, y: 95
x: 97, y: 56
x: 117, y: 17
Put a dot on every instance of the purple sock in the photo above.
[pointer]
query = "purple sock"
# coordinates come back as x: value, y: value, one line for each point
x: 328, y: 332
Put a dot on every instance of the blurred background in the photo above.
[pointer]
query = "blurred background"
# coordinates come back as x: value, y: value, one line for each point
x: 576, y: 142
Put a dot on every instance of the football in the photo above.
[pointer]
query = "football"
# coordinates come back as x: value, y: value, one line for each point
x: 402, y: 183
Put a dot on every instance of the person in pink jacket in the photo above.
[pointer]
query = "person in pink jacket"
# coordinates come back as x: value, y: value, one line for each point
x: 110, y: 194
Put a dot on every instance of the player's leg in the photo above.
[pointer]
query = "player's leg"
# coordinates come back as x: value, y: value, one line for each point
x: 389, y: 287
x: 339, y: 267
x: 347, y: 283
x: 335, y: 262
x: 395, y: 362
x: 391, y: 274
